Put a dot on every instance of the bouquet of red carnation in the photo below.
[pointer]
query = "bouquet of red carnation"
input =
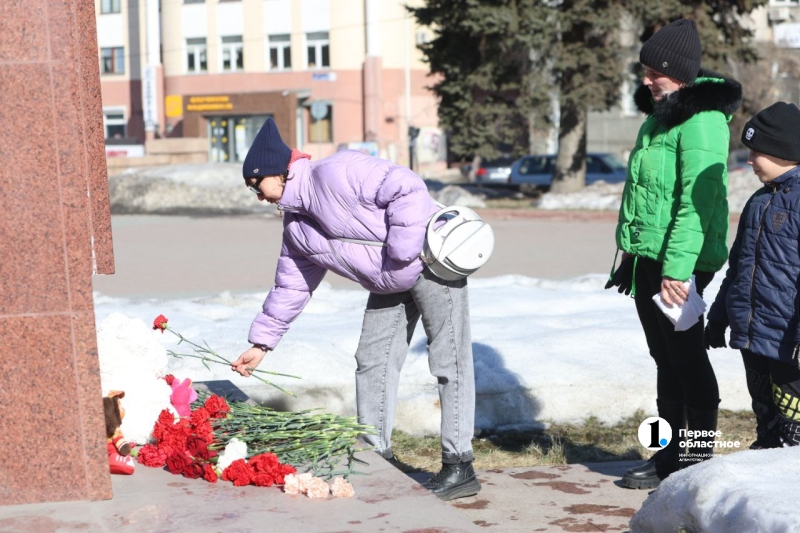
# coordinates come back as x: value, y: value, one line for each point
x: 183, y: 444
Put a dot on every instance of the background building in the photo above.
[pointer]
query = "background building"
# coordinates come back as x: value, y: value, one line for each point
x: 331, y: 73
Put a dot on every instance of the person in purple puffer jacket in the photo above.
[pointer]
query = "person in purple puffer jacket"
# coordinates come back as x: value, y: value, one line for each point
x: 365, y: 218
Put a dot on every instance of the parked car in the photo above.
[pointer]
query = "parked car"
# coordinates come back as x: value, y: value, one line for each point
x: 536, y: 171
x: 494, y: 171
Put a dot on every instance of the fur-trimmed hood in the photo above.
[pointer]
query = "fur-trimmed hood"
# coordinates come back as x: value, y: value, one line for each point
x: 684, y: 103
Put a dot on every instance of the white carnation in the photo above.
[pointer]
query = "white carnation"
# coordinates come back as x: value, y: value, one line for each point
x: 235, y: 449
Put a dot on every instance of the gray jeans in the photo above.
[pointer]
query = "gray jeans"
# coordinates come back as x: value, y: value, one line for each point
x: 389, y: 323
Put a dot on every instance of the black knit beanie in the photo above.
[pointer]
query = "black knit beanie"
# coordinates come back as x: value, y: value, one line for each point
x: 775, y: 131
x: 268, y: 155
x: 674, y: 50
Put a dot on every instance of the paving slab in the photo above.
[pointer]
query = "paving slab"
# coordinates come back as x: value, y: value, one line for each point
x: 154, y: 500
x: 575, y: 498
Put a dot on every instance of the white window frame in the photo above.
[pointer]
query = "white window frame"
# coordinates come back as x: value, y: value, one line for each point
x: 115, y: 121
x: 282, y: 44
x: 318, y: 40
x: 114, y: 61
x: 110, y: 6
x: 232, y: 44
x: 197, y: 49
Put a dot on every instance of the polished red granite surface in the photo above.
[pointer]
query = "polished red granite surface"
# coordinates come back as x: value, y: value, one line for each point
x: 55, y: 232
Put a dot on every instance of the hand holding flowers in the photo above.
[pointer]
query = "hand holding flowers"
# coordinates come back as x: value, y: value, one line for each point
x: 207, y: 355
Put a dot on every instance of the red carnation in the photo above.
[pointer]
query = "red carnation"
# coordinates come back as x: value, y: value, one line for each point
x: 175, y: 436
x: 217, y: 406
x: 194, y: 470
x: 264, y: 463
x: 151, y: 456
x: 169, y: 378
x: 177, y: 462
x: 263, y: 479
x: 199, y: 416
x: 209, y: 474
x: 281, y: 472
x: 163, y: 425
x: 160, y: 323
x: 204, y: 430
x: 198, y: 448
x: 238, y: 472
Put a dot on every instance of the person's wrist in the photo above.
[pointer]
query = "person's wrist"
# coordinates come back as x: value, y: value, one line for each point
x: 262, y: 347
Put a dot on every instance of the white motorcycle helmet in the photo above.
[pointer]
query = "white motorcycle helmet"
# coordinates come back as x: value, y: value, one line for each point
x: 460, y: 245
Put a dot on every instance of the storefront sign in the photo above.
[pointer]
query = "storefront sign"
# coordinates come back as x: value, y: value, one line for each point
x: 323, y: 76
x: 173, y: 106
x: 209, y: 103
x: 125, y: 150
x: 149, y: 98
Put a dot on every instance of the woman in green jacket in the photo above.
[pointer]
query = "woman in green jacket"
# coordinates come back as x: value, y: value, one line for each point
x: 673, y: 223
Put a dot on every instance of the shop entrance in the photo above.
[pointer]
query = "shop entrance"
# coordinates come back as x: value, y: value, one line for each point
x: 230, y: 137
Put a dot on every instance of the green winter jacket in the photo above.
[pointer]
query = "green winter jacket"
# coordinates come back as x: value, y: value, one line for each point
x: 675, y: 203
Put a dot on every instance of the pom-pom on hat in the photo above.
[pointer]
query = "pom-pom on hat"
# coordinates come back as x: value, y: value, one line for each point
x: 268, y: 155
x: 674, y: 50
x: 775, y: 131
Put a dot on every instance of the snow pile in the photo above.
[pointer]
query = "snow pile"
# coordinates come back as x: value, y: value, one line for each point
x: 544, y: 350
x: 189, y: 189
x: 455, y: 195
x: 744, y: 491
x: 597, y: 196
x: 133, y: 361
x: 742, y: 183
x: 217, y: 188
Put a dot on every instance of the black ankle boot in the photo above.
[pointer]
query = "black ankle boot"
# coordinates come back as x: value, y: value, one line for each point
x: 665, y: 461
x: 454, y: 480
x: 768, y: 434
x: 700, y: 448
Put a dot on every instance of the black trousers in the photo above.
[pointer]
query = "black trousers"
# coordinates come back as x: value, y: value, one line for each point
x: 684, y: 371
x: 775, y: 389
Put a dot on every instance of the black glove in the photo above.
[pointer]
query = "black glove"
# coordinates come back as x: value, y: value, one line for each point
x: 714, y: 334
x: 623, y: 277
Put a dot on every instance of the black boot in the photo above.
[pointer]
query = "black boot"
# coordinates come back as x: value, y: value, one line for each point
x: 665, y: 460
x: 700, y: 448
x: 454, y: 480
x: 768, y: 434
x: 759, y: 385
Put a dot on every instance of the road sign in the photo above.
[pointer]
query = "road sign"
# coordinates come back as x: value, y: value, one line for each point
x: 319, y: 110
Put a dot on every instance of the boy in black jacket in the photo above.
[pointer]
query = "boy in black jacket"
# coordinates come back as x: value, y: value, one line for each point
x: 759, y: 296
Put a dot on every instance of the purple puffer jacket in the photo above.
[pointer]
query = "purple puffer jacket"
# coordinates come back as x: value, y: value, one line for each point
x: 354, y: 196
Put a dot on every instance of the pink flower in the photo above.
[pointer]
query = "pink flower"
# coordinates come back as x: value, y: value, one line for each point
x: 342, y: 489
x: 296, y: 483
x: 317, y: 488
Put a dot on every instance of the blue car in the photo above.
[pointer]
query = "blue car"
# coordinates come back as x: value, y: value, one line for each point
x: 536, y: 171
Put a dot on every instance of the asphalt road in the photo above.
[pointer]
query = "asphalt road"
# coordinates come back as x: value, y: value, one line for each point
x: 177, y: 256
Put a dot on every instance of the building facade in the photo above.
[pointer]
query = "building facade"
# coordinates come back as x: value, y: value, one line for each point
x: 331, y: 73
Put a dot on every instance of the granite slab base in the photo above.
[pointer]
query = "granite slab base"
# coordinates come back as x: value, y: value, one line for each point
x: 153, y: 499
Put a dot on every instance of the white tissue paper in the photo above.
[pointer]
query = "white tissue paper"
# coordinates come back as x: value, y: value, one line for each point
x: 688, y: 314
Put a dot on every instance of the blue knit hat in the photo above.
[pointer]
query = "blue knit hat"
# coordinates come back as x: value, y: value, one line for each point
x: 268, y: 155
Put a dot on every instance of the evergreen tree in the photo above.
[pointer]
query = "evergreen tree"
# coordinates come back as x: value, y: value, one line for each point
x: 589, y: 71
x: 487, y: 80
